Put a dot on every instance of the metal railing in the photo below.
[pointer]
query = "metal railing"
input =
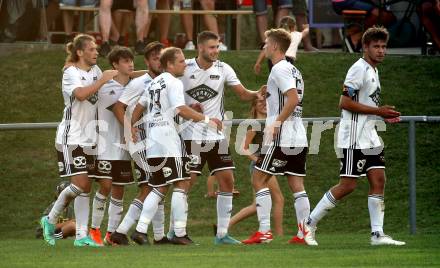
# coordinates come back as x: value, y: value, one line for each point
x: 411, y: 120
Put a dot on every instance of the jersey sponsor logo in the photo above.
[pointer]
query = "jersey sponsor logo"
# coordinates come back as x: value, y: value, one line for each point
x: 192, y: 77
x: 110, y: 108
x: 375, y: 96
x: 167, y: 172
x: 60, y: 166
x: 79, y: 162
x: 83, y: 78
x: 93, y: 99
x: 202, y: 93
x: 95, y: 78
x: 278, y: 163
x: 214, y: 77
x: 104, y: 167
x: 112, y: 92
x: 360, y: 165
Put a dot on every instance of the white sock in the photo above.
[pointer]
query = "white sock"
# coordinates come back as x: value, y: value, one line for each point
x: 98, y: 210
x: 224, y: 210
x: 158, y: 222
x: 171, y: 228
x: 264, y: 205
x: 149, y: 209
x: 302, y: 208
x: 133, y: 214
x: 376, y: 207
x: 326, y: 203
x: 82, y: 209
x: 180, y: 211
x: 115, y: 209
x: 63, y: 200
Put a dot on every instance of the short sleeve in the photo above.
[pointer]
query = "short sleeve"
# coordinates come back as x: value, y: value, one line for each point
x: 130, y: 92
x: 177, y: 98
x: 230, y: 76
x: 144, y: 99
x: 71, y: 80
x: 285, y: 77
x: 354, y: 80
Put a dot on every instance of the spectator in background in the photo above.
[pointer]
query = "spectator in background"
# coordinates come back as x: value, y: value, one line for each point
x: 299, y: 10
x: 429, y: 13
x: 105, y: 22
x: 15, y: 9
x: 68, y: 15
x: 48, y: 14
x: 280, y: 9
x: 374, y: 15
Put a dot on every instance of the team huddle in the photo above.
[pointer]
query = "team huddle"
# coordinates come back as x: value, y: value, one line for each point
x: 167, y: 122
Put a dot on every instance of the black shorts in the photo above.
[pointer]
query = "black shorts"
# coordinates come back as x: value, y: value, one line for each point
x: 166, y: 170
x: 216, y: 153
x: 140, y: 167
x: 277, y: 160
x: 123, y: 4
x: 356, y: 162
x: 119, y: 171
x: 75, y: 159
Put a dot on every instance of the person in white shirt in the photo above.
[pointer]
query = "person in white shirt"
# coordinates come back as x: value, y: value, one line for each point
x: 205, y: 80
x: 113, y: 165
x: 289, y: 24
x: 76, y: 135
x: 164, y: 154
x: 123, y: 110
x: 357, y: 138
x: 285, y: 141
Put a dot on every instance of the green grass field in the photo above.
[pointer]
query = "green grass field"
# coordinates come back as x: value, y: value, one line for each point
x: 336, y: 250
x: 28, y: 170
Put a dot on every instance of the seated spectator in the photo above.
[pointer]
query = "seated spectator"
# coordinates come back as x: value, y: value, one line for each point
x: 68, y: 16
x: 105, y: 22
x: 374, y: 16
x: 15, y: 9
x: 429, y: 13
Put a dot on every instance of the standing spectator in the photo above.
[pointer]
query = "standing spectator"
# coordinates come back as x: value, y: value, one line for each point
x: 299, y: 10
x: 429, y: 13
x: 16, y: 9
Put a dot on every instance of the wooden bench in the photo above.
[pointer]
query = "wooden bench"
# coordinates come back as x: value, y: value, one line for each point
x: 235, y: 13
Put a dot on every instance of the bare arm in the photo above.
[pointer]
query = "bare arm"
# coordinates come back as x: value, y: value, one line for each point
x: 289, y: 105
x: 245, y: 94
x: 385, y: 111
x: 250, y: 134
x: 82, y: 93
x: 119, y: 111
x: 305, y: 30
x: 189, y: 114
x: 257, y: 66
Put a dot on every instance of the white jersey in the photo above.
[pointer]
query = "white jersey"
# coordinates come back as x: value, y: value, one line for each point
x: 130, y: 97
x: 111, y: 140
x: 285, y: 76
x: 296, y: 38
x: 78, y: 125
x: 358, y: 131
x: 207, y: 88
x: 163, y: 96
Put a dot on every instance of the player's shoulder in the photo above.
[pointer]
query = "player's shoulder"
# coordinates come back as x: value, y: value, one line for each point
x: 140, y: 81
x: 360, y: 66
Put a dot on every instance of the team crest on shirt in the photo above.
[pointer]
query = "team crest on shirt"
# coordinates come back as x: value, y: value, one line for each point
x: 375, y: 96
x: 83, y: 78
x: 192, y: 77
x: 214, y: 77
x: 202, y: 93
x: 95, y: 78
x: 93, y: 99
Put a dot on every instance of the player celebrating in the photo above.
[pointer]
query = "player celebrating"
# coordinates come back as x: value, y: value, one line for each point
x: 76, y: 136
x: 164, y: 154
x: 204, y: 83
x: 357, y: 138
x: 285, y: 141
x: 123, y: 110
x: 113, y: 165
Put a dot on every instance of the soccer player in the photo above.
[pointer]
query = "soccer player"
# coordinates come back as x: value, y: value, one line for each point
x: 285, y: 141
x: 164, y: 154
x: 204, y: 84
x: 113, y: 164
x: 123, y: 110
x: 357, y: 138
x: 76, y: 136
